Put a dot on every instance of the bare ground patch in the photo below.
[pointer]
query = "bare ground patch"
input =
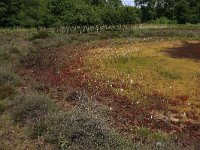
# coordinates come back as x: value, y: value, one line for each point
x: 188, y: 50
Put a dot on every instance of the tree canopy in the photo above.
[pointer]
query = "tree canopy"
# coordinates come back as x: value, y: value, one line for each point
x: 182, y: 11
x: 73, y: 13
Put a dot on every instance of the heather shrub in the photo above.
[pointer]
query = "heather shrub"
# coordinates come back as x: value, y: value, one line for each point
x: 40, y: 35
x: 3, y: 106
x: 83, y: 127
x: 8, y: 78
x: 31, y: 107
x: 6, y: 92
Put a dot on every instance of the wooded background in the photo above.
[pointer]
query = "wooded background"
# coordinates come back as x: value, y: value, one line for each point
x: 89, y: 15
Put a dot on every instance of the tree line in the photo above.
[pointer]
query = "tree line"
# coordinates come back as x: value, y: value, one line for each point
x: 86, y: 15
x: 181, y: 11
x: 70, y: 14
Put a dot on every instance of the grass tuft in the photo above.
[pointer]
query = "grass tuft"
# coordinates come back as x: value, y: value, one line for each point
x: 169, y: 75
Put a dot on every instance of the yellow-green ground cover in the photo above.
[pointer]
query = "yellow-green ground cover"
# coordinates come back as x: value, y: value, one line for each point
x: 149, y: 66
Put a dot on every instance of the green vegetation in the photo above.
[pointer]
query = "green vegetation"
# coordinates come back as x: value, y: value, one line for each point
x: 170, y: 75
x: 130, y: 63
x: 163, y: 20
x: 148, y: 135
x: 73, y: 15
x: 40, y: 35
x: 82, y: 16
x: 181, y: 11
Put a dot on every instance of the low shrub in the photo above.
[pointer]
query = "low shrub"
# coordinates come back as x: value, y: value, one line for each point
x: 8, y: 78
x: 2, y: 106
x: 39, y: 58
x: 8, y: 52
x: 40, y: 87
x: 38, y: 129
x: 4, y: 55
x: 40, y: 35
x: 14, y: 50
x: 6, y: 92
x: 80, y: 128
x: 30, y: 107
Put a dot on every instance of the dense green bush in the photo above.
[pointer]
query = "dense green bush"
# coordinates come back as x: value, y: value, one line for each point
x: 163, y: 20
x: 30, y: 106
